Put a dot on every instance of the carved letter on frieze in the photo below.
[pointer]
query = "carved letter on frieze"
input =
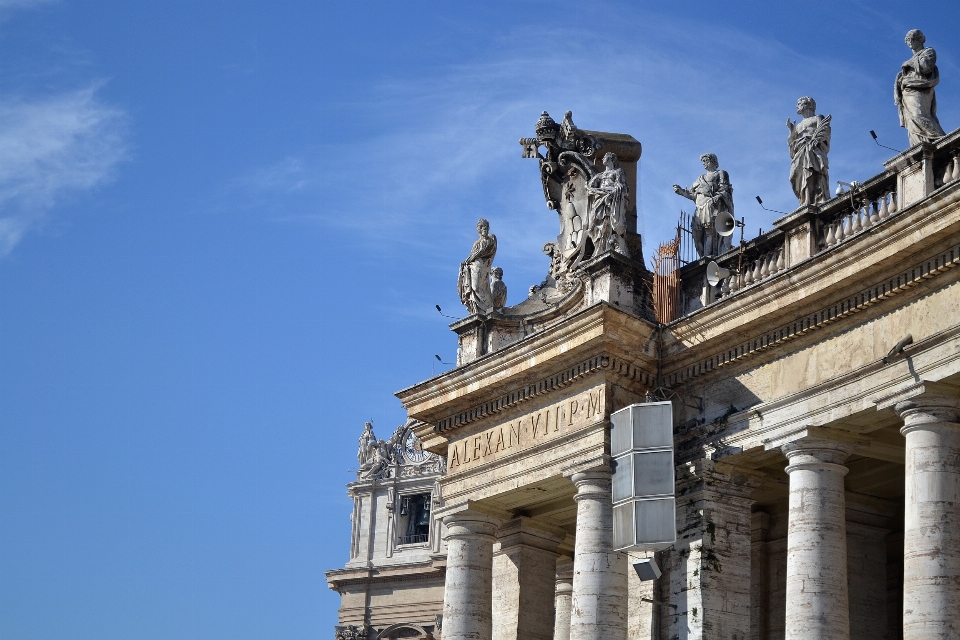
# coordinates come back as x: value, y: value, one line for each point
x: 546, y: 423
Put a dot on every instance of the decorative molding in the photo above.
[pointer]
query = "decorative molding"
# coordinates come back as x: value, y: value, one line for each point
x: 889, y: 287
x: 545, y: 385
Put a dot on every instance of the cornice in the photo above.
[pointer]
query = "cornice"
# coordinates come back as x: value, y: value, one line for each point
x: 565, y: 342
x: 881, y: 290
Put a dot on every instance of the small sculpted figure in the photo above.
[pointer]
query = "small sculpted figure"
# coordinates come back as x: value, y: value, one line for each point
x: 713, y: 194
x: 607, y: 222
x: 473, y: 284
x: 498, y: 289
x: 913, y: 91
x: 809, y: 142
x: 366, y: 438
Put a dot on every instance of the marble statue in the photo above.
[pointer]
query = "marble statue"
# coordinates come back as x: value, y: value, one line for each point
x: 366, y: 439
x: 913, y: 91
x: 474, y: 280
x: 606, y: 224
x: 809, y: 143
x: 714, y: 195
x: 498, y: 289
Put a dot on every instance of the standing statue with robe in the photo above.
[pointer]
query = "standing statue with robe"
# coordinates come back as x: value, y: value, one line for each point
x: 713, y: 194
x: 473, y: 284
x: 606, y: 226
x: 913, y: 91
x: 809, y: 143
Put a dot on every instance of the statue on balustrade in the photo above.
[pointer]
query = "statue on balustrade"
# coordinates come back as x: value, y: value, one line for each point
x: 498, y: 289
x: 913, y: 91
x: 473, y: 283
x: 809, y: 143
x: 713, y: 194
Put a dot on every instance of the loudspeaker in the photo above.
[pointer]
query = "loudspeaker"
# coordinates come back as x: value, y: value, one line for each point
x: 716, y: 273
x: 725, y: 223
x: 647, y: 569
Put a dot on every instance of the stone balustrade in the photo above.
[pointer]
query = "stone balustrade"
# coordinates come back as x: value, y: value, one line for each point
x: 813, y: 230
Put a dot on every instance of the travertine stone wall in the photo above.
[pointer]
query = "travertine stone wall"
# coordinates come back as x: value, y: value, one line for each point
x: 867, y: 580
x: 708, y: 569
x: 643, y: 609
x: 524, y: 582
x: 759, y: 575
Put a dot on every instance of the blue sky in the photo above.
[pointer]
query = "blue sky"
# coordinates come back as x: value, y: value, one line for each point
x: 224, y: 227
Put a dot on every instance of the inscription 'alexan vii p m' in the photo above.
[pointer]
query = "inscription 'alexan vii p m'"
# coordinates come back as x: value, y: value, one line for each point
x: 548, y: 423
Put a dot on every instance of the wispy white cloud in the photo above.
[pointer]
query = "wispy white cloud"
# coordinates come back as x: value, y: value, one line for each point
x: 50, y: 148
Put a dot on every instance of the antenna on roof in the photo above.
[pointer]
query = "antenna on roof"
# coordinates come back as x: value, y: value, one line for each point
x: 441, y: 361
x: 443, y: 314
x: 765, y: 209
x: 873, y: 134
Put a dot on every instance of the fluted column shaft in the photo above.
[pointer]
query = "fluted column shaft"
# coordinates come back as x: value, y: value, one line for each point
x: 564, y: 593
x: 599, y: 599
x: 931, y: 538
x: 467, y: 594
x: 817, y: 597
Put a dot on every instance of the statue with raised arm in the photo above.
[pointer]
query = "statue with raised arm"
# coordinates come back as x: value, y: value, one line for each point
x: 713, y: 194
x: 473, y: 283
x: 809, y: 143
x: 606, y: 224
x: 913, y: 91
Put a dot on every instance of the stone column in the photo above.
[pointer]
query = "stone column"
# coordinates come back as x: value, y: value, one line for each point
x: 524, y: 575
x: 817, y: 597
x: 467, y: 594
x: 599, y: 600
x: 931, y: 538
x: 564, y: 591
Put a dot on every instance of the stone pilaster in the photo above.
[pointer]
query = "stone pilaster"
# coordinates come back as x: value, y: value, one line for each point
x: 599, y: 599
x: 931, y: 545
x: 708, y: 569
x: 564, y: 592
x: 524, y: 581
x: 467, y: 596
x: 817, y: 597
x: 759, y: 571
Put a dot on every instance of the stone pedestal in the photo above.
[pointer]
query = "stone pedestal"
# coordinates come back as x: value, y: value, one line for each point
x: 564, y: 593
x: 524, y: 582
x: 817, y: 597
x: 931, y: 564
x: 599, y: 600
x: 467, y: 601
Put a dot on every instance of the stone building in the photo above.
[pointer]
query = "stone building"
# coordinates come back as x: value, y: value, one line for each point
x: 816, y: 402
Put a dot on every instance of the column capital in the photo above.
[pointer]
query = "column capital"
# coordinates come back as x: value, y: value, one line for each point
x: 594, y: 484
x: 927, y: 409
x: 817, y: 453
x: 468, y: 523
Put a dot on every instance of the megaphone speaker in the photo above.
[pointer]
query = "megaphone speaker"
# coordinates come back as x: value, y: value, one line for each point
x: 716, y: 273
x: 725, y: 223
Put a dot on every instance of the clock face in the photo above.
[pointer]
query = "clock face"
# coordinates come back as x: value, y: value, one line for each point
x: 412, y: 450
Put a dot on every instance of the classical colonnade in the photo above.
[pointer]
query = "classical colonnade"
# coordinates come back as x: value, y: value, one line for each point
x: 522, y: 592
